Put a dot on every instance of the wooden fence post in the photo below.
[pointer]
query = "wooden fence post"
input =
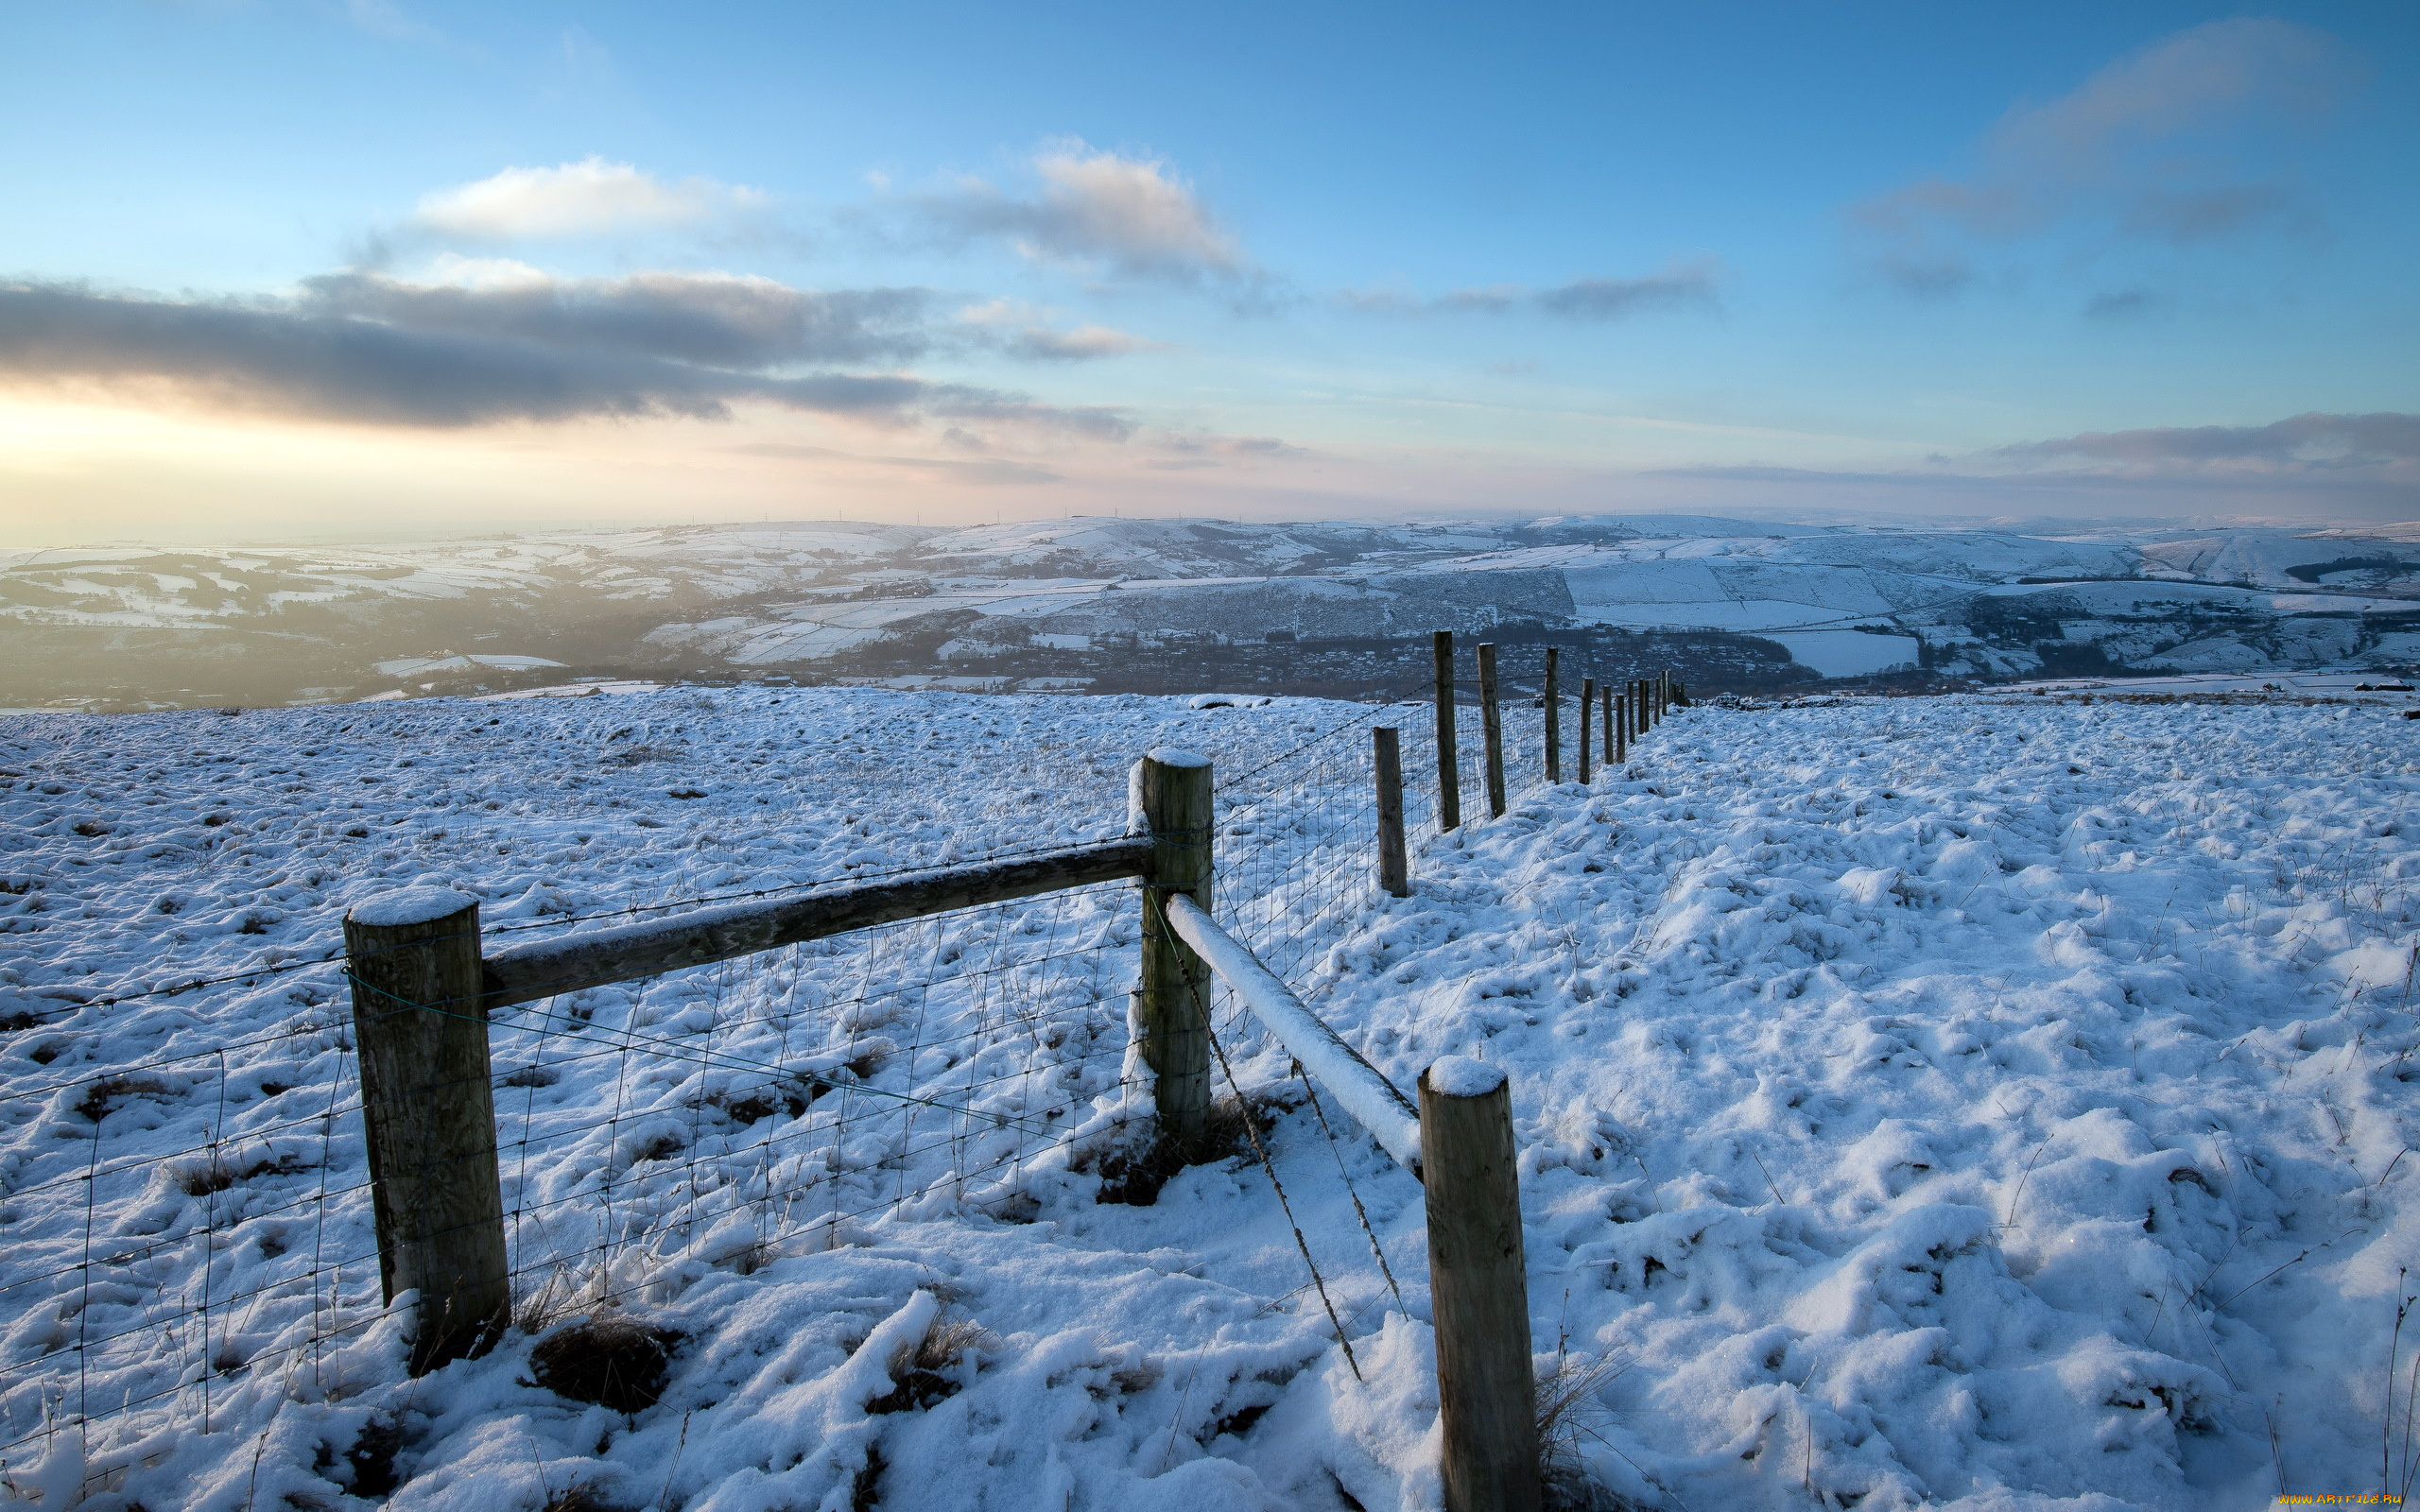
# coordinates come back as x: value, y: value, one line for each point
x: 1587, y: 714
x: 1478, y: 1289
x: 1554, y: 713
x: 429, y: 1113
x: 1492, y: 729
x: 1395, y: 863
x: 1449, y: 769
x: 1617, y: 726
x: 1173, y: 791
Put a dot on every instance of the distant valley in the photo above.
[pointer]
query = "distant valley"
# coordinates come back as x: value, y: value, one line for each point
x: 1107, y: 606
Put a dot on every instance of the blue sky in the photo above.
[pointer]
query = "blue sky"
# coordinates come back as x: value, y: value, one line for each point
x: 391, y: 265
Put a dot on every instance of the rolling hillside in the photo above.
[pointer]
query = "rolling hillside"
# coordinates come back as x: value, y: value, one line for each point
x: 1184, y: 606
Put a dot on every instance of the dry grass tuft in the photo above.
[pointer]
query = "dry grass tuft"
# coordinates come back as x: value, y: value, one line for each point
x: 932, y: 1371
x: 617, y: 1362
x: 1568, y: 1411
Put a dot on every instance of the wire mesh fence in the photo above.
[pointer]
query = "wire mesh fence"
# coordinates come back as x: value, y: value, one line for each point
x: 195, y: 1230
x: 1297, y: 858
x: 731, y: 1113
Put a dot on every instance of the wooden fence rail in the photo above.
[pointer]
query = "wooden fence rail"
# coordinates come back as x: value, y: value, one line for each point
x: 524, y: 974
x: 423, y: 990
x: 1374, y: 1101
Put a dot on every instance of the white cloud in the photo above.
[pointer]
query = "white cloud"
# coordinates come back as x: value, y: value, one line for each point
x: 1132, y: 215
x: 458, y: 271
x: 577, y: 199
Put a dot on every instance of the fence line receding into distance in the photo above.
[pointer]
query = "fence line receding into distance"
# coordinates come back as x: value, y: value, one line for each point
x: 889, y: 1051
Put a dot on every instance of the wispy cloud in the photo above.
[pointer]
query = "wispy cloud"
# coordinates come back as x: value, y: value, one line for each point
x: 2306, y: 466
x: 588, y: 198
x: 2315, y: 443
x: 390, y: 354
x: 988, y: 469
x: 2121, y: 304
x: 1094, y: 209
x: 1023, y: 332
x: 380, y: 19
x: 1696, y: 284
x: 1188, y: 453
x: 2176, y: 143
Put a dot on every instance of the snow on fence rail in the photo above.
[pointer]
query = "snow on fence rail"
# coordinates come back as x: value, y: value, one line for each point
x: 903, y: 1046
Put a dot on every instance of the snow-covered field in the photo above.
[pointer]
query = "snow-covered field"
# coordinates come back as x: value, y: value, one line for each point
x: 1991, y: 1101
x: 135, y: 626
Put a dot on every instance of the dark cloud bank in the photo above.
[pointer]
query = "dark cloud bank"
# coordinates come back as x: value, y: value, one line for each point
x: 362, y: 347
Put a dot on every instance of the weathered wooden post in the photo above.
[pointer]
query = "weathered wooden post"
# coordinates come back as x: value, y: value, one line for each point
x: 1449, y: 769
x: 1554, y: 713
x: 1172, y: 790
x: 1617, y: 726
x: 429, y: 1113
x: 1479, y: 1288
x: 1394, y: 865
x: 1587, y: 714
x: 1491, y: 721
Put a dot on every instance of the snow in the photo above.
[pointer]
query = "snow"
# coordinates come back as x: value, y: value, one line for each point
x: 1461, y: 1076
x: 1227, y: 700
x: 2355, y: 687
x: 799, y: 593
x: 410, y: 905
x: 1376, y: 1104
x: 422, y: 666
x: 1988, y: 1102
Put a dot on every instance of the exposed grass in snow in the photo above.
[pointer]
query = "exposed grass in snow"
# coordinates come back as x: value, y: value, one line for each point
x: 1989, y: 1102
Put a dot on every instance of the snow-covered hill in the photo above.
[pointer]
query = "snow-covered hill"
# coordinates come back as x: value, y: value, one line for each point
x: 1993, y: 1101
x: 1169, y: 606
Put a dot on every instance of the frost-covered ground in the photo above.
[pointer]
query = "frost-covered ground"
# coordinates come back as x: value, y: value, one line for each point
x: 1983, y: 1101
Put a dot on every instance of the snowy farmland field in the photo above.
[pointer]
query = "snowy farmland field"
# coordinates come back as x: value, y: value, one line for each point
x: 1992, y: 1101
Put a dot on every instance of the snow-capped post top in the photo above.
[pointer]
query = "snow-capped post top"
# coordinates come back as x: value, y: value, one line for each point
x: 410, y: 905
x: 1461, y: 1076
x: 1136, y: 821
